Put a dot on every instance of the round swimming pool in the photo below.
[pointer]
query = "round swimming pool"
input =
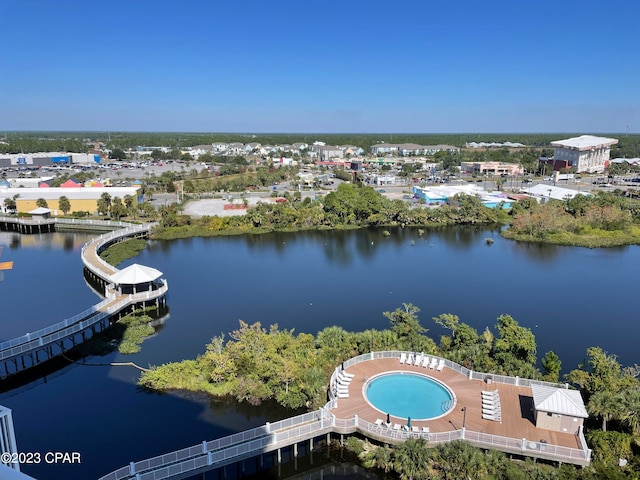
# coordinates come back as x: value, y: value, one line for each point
x: 404, y: 395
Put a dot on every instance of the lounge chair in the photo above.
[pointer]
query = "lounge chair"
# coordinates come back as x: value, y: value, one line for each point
x: 344, y: 378
x: 418, y: 359
x: 491, y: 411
x: 397, y: 426
x: 489, y: 393
x: 415, y: 429
x: 425, y: 362
x: 433, y: 363
x: 425, y: 429
x: 410, y: 359
x: 440, y: 365
x: 403, y: 357
x: 345, y: 374
x: 494, y: 417
x: 379, y: 423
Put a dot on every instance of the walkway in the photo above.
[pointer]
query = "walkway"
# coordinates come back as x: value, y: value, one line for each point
x: 34, y: 348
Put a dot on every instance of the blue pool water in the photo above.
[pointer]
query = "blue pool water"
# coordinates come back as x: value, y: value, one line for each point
x: 409, y: 395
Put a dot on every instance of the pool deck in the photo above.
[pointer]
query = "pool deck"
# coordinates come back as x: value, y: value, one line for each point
x: 516, y: 405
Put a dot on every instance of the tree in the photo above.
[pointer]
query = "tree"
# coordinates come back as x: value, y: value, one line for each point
x: 552, y: 365
x: 41, y: 202
x: 606, y: 405
x: 117, y: 210
x: 104, y: 203
x: 64, y: 204
x: 411, y: 459
x: 117, y: 154
x: 10, y: 204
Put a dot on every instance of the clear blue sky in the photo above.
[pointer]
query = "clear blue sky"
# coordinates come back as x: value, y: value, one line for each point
x: 412, y: 66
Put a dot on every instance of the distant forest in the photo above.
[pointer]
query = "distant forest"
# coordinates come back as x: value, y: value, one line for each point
x: 30, y: 142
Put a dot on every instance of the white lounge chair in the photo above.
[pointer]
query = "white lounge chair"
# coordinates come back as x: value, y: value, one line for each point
x: 425, y: 429
x: 440, y: 365
x: 494, y: 417
x: 410, y: 359
x: 379, y: 423
x: 343, y: 378
x: 418, y: 359
x: 489, y: 393
x: 403, y: 357
x: 425, y: 362
x: 433, y: 363
x: 491, y: 410
x: 344, y: 373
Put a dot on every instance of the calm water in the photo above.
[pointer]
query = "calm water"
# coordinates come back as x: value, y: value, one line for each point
x: 571, y: 298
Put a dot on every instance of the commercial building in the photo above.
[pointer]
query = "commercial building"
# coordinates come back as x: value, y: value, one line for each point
x: 45, y: 159
x: 585, y: 153
x: 491, y: 168
x: 84, y: 199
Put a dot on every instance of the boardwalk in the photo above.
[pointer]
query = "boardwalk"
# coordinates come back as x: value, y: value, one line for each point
x: 27, y: 351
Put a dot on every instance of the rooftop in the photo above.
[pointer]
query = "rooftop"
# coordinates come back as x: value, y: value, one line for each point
x: 585, y: 142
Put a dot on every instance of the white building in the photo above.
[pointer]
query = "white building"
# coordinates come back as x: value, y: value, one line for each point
x: 585, y: 153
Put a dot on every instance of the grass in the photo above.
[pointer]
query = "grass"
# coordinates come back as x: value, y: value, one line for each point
x: 119, y: 252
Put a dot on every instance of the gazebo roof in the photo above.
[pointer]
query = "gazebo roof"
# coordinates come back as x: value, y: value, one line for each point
x: 39, y: 211
x: 558, y: 400
x: 135, y: 274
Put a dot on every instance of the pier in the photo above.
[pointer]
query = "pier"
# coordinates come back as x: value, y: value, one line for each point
x: 121, y: 295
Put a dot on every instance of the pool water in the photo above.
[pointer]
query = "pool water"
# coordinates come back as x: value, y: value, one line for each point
x: 407, y: 395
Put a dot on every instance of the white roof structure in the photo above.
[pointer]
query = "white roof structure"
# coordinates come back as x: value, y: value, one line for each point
x: 39, y: 211
x: 134, y: 274
x: 558, y: 400
x: 550, y: 191
x: 585, y: 142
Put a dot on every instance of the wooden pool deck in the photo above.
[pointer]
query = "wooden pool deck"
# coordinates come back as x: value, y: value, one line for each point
x: 516, y: 405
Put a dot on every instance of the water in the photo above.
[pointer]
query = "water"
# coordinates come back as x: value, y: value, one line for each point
x: 571, y: 298
x: 409, y: 396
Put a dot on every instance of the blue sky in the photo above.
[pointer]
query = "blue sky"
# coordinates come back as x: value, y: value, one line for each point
x: 333, y: 66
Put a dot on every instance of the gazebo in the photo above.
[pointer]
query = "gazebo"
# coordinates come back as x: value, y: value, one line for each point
x: 558, y: 409
x: 136, y: 278
x: 40, y: 212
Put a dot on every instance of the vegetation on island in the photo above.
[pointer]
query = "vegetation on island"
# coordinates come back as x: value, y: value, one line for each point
x: 349, y: 206
x: 119, y: 252
x: 257, y: 364
x: 603, y: 220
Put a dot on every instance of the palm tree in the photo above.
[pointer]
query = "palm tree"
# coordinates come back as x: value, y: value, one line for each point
x: 607, y: 405
x: 411, y: 459
x: 380, y: 457
x: 631, y: 409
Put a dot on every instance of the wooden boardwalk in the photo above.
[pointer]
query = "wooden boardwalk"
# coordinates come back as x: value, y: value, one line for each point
x: 516, y: 405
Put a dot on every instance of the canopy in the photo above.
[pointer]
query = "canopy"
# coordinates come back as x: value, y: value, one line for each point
x: 135, y: 274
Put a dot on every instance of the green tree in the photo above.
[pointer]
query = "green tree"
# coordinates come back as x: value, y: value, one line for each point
x: 606, y: 405
x: 405, y: 324
x: 10, y: 204
x: 552, y: 366
x: 41, y: 202
x: 64, y: 204
x: 117, y: 154
x: 117, y: 210
x: 104, y: 203
x: 411, y: 459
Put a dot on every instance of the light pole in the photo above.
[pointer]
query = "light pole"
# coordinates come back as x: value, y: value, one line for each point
x: 464, y: 418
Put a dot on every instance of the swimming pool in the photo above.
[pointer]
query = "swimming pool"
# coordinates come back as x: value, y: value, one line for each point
x: 404, y: 394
